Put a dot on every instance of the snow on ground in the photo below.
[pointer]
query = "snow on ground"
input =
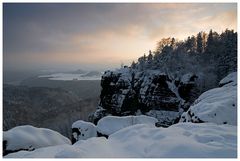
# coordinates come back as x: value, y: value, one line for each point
x: 70, y: 76
x: 136, y: 136
x: 218, y: 105
x: 45, y: 152
x: 84, y: 131
x: 110, y: 124
x: 182, y: 140
x: 29, y: 137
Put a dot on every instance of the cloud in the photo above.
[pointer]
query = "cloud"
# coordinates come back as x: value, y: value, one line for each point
x: 218, y: 22
x: 95, y: 33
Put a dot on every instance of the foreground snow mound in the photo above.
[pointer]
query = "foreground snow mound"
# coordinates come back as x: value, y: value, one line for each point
x: 218, y: 105
x: 179, y: 140
x: 46, y: 152
x: 29, y: 138
x: 206, y: 140
x: 110, y: 124
x: 82, y: 130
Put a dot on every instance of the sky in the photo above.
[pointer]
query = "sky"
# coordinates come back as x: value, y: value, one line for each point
x: 100, y: 35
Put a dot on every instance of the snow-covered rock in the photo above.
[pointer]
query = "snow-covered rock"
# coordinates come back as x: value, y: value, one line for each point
x: 29, y: 138
x: 187, y: 87
x: 229, y: 80
x: 165, y: 118
x: 218, y: 105
x: 126, y: 91
x: 110, y: 124
x: 82, y: 130
x: 117, y: 93
x: 156, y: 93
x: 182, y: 140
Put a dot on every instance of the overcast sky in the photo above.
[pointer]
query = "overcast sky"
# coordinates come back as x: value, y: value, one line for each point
x: 100, y: 36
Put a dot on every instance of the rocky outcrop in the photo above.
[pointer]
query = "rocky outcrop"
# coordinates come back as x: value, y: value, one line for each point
x: 117, y: 92
x: 126, y: 91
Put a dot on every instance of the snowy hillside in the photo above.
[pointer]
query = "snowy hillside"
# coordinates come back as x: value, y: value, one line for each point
x: 218, y: 105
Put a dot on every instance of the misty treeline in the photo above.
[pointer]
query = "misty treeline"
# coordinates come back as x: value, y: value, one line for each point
x: 211, y: 56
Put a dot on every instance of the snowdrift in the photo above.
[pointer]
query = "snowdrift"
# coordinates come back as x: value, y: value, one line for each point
x: 110, y: 124
x: 29, y: 138
x: 206, y: 140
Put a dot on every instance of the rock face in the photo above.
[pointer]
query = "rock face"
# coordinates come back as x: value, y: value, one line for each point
x: 126, y: 91
x: 218, y: 105
x: 187, y: 87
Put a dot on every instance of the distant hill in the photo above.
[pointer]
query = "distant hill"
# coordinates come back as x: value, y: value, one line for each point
x: 52, y: 108
x: 83, y: 89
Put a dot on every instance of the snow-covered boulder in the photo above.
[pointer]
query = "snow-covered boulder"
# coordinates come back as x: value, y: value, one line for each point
x: 29, y: 138
x: 110, y: 124
x: 218, y: 105
x: 82, y: 130
x: 229, y: 80
x: 182, y: 140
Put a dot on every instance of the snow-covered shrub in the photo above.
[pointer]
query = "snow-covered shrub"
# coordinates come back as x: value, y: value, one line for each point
x: 29, y: 138
x: 82, y: 130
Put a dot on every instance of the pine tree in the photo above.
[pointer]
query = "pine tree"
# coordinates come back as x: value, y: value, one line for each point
x: 204, y: 38
x: 133, y: 65
x: 199, y: 43
x: 190, y: 44
x: 150, y: 56
x: 209, y: 45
